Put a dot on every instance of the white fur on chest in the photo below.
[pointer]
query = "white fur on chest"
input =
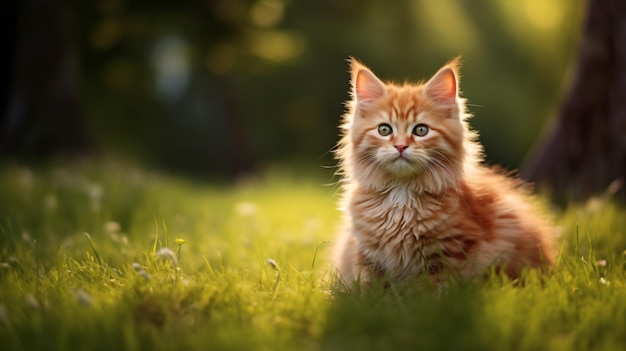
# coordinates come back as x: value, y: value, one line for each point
x: 400, y: 197
x: 390, y: 227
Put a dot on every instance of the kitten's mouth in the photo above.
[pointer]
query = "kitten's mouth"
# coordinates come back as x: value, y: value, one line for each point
x: 402, y: 164
x: 402, y: 158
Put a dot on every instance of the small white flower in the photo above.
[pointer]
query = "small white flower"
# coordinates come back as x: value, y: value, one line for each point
x: 136, y: 266
x: 604, y: 281
x: 601, y: 263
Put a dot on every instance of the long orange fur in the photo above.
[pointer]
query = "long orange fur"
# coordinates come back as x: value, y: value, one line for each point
x: 418, y: 204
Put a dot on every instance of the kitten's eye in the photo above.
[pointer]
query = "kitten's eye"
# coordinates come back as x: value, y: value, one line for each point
x: 420, y: 130
x: 384, y: 129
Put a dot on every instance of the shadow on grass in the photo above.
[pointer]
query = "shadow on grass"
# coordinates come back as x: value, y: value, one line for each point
x: 403, y: 317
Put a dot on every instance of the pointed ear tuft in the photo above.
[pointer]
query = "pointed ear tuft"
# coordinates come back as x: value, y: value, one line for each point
x: 443, y: 86
x: 366, y: 86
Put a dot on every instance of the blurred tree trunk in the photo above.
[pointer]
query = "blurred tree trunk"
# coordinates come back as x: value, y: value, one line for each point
x: 41, y: 113
x: 586, y: 149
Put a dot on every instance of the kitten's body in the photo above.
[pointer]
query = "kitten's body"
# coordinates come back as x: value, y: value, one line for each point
x: 421, y: 204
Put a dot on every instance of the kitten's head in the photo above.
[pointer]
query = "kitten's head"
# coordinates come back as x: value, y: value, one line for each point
x: 413, y: 133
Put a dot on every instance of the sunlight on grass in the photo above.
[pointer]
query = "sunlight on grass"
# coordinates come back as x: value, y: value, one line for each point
x: 115, y: 257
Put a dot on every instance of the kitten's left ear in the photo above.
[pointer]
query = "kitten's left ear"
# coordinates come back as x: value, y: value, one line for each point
x: 443, y: 87
x: 365, y: 85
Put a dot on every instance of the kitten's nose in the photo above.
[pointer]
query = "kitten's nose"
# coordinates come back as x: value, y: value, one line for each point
x: 400, y: 148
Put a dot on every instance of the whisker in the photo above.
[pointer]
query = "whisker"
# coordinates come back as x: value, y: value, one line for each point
x: 332, y: 149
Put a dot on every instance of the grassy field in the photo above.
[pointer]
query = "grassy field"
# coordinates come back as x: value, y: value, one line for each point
x: 113, y: 257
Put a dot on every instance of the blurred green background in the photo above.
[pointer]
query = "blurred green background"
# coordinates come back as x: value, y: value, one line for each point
x: 226, y: 86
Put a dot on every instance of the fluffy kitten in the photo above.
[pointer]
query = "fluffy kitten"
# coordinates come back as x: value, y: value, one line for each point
x: 416, y: 198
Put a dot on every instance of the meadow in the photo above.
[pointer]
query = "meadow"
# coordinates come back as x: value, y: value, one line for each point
x: 110, y: 256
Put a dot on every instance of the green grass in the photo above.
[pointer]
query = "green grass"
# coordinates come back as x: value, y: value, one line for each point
x: 83, y: 266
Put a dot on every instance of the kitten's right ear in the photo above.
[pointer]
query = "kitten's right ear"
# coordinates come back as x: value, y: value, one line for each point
x: 443, y: 87
x: 365, y: 85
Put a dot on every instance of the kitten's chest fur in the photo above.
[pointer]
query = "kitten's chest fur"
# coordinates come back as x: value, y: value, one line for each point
x: 402, y: 232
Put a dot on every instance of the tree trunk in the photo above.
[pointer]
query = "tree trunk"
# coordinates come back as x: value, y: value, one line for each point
x: 586, y: 149
x: 42, y: 114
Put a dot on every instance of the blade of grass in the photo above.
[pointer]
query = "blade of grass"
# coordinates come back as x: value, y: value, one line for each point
x: 93, y: 248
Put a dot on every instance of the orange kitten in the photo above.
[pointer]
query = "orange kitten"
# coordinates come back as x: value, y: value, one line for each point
x: 416, y: 198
